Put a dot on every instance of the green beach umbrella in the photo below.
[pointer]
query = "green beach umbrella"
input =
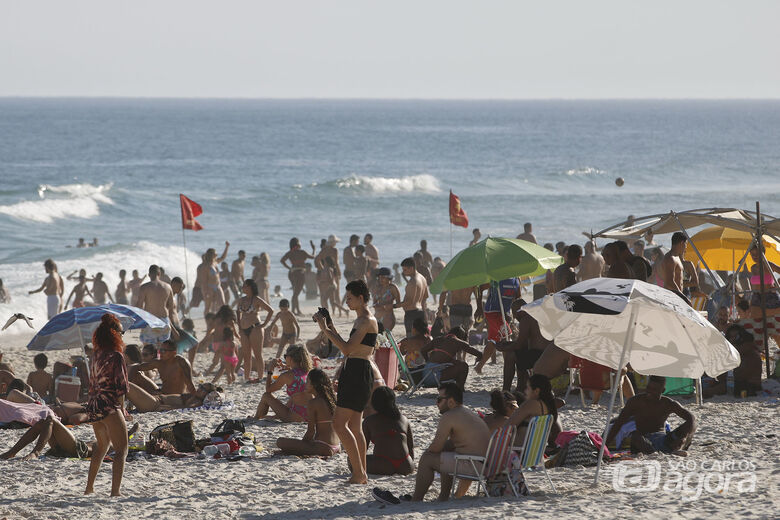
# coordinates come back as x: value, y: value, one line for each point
x: 494, y: 259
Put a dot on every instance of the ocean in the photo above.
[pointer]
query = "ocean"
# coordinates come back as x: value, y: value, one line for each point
x: 267, y: 170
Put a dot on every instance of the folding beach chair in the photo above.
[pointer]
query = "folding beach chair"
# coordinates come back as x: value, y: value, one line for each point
x: 532, y: 451
x: 428, y: 374
x: 494, y: 466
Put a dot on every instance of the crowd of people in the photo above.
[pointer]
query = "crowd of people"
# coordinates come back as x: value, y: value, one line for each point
x: 354, y: 408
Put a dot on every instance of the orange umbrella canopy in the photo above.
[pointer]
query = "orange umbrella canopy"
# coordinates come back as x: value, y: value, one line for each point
x: 722, y: 248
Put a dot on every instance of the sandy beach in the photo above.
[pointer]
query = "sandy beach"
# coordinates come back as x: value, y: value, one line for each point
x: 742, y: 433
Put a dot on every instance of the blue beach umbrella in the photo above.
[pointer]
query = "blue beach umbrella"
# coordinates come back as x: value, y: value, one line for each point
x: 74, y: 327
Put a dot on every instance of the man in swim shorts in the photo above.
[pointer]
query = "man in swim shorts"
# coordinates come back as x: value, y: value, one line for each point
x: 415, y: 295
x: 53, y: 288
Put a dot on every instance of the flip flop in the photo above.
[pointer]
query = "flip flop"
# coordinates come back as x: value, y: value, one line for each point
x: 384, y: 496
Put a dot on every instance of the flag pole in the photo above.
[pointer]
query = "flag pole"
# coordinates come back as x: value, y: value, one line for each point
x: 450, y: 239
x: 186, y: 272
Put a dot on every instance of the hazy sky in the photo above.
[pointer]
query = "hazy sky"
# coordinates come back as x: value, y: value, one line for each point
x: 395, y: 49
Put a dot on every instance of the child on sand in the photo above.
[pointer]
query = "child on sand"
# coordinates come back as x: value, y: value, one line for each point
x: 291, y: 330
x: 226, y: 349
x: 41, y: 381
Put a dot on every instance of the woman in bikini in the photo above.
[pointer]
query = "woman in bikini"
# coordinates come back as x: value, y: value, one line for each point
x: 107, y: 387
x: 357, y: 377
x: 319, y: 439
x: 249, y: 307
x: 146, y: 402
x: 386, y: 296
x: 539, y: 400
x: 212, y: 290
x: 296, y: 368
x: 391, y: 434
x: 260, y: 274
x: 297, y: 268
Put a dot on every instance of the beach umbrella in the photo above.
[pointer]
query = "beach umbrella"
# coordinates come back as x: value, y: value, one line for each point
x: 74, y: 327
x: 722, y: 248
x: 614, y: 322
x: 494, y: 259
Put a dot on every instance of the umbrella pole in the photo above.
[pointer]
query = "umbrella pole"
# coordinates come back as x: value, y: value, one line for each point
x: 761, y: 261
x: 685, y: 232
x: 615, y: 386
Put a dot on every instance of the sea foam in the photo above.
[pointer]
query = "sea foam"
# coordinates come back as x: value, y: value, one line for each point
x: 60, y: 202
x: 412, y: 183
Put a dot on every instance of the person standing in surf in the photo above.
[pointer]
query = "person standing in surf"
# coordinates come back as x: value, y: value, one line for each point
x: 53, y: 288
x: 297, y: 268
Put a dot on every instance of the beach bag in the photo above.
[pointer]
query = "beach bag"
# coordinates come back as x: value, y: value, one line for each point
x: 580, y: 451
x: 228, y: 427
x: 179, y: 434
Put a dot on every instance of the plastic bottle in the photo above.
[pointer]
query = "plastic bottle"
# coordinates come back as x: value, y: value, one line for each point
x: 73, y: 371
x: 247, y: 451
x: 210, y: 450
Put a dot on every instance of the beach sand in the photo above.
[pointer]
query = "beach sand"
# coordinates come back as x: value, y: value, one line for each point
x: 740, y: 432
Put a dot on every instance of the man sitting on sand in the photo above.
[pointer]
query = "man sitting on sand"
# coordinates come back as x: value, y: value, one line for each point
x: 445, y: 349
x: 41, y: 381
x: 175, y: 372
x: 642, y: 420
x: 460, y: 431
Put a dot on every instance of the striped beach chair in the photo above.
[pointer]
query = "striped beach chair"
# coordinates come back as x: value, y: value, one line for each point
x: 429, y: 374
x: 494, y: 466
x: 532, y: 451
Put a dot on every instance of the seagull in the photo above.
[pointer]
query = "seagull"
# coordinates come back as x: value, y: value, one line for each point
x: 18, y: 316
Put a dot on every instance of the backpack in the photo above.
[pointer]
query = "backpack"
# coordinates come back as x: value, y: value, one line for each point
x: 179, y: 434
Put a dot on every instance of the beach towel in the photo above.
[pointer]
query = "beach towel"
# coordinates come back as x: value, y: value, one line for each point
x: 27, y: 413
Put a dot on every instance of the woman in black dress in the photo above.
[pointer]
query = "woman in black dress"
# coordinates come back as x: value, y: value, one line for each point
x: 357, y: 377
x: 108, y: 386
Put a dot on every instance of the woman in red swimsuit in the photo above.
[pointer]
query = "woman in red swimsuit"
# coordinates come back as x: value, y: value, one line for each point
x: 391, y: 433
x: 107, y: 388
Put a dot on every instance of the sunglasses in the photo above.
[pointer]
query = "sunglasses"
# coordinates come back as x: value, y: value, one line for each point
x: 440, y: 398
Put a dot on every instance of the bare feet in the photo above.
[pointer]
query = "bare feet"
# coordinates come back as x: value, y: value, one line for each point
x: 89, y: 491
x: 30, y: 456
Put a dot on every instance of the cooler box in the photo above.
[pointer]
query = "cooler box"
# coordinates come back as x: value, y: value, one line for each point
x: 387, y: 363
x: 67, y: 388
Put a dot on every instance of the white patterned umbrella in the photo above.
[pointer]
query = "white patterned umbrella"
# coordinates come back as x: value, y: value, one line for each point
x: 614, y: 322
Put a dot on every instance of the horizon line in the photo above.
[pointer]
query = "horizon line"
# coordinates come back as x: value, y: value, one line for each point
x: 347, y: 98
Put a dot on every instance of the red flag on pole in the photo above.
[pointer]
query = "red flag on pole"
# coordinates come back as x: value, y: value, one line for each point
x: 189, y: 210
x: 458, y: 217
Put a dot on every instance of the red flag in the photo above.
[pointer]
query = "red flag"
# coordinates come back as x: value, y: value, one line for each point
x: 189, y: 210
x: 458, y: 217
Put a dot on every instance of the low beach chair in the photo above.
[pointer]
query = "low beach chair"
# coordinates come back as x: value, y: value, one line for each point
x: 494, y: 466
x: 428, y: 375
x: 532, y: 451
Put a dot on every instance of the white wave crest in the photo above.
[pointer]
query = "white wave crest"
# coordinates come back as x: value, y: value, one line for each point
x: 60, y: 202
x: 588, y: 170
x: 420, y: 183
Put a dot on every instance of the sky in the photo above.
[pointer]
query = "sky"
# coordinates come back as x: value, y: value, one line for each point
x: 401, y: 49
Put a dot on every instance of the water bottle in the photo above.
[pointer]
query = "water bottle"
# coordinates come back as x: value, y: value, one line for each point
x: 210, y: 450
x: 73, y: 371
x: 247, y: 451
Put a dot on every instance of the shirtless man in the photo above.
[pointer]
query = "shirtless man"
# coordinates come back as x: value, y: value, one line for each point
x: 156, y: 297
x: 461, y: 312
x: 460, y: 431
x: 237, y: 273
x: 477, y: 236
x: 616, y: 266
x: 134, y: 284
x: 122, y: 289
x: 348, y: 258
x: 360, y: 264
x: 445, y: 349
x: 673, y: 266
x: 100, y: 290
x: 372, y: 253
x: 78, y: 293
x: 592, y: 264
x: 179, y: 299
x: 53, y: 287
x: 528, y: 233
x: 437, y: 267
x: 521, y: 354
x: 645, y: 415
x: 41, y: 381
x: 296, y: 270
x: 426, y: 255
x: 639, y: 266
x: 175, y: 372
x: 291, y: 329
x: 564, y: 275
x: 415, y: 295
